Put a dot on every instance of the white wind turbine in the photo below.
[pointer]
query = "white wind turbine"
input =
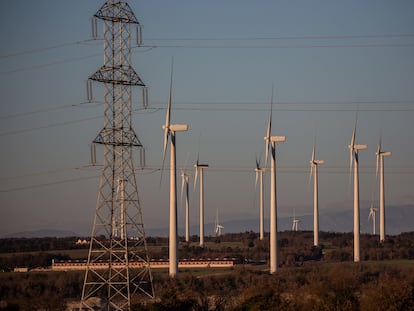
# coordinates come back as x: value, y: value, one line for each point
x: 353, y: 157
x: 184, y: 187
x: 271, y: 144
x: 169, y: 132
x: 314, y: 170
x: 218, y: 228
x: 259, y: 176
x: 372, y: 215
x: 295, y: 223
x: 200, y: 168
x: 380, y: 162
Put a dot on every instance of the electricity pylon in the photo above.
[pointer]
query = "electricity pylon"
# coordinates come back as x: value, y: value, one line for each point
x: 118, y: 264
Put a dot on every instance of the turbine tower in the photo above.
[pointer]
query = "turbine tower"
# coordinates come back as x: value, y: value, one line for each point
x: 170, y: 130
x: 380, y: 162
x: 200, y: 168
x: 118, y: 236
x: 314, y: 170
x: 184, y: 184
x: 271, y: 144
x: 353, y: 157
x: 259, y: 176
x: 372, y: 215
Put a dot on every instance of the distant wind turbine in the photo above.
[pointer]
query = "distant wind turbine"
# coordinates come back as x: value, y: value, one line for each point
x: 372, y: 215
x: 295, y: 223
x: 259, y: 176
x: 271, y: 144
x: 353, y: 158
x: 314, y: 170
x: 218, y: 228
x: 200, y: 168
x: 380, y: 162
x: 170, y: 131
x: 184, y: 187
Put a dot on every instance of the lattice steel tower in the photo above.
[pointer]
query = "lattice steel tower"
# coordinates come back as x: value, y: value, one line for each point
x: 117, y: 245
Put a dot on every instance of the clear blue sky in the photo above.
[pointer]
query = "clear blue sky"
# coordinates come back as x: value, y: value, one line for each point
x: 326, y: 60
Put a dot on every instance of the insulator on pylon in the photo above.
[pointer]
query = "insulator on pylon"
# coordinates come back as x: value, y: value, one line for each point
x: 94, y: 24
x: 139, y: 35
x: 89, y: 95
x: 145, y: 97
x: 93, y: 154
x: 142, y: 157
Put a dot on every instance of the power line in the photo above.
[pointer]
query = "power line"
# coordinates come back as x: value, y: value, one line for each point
x: 302, y: 170
x: 48, y: 172
x: 48, y: 109
x: 155, y: 109
x: 59, y: 62
x: 290, y: 109
x: 312, y: 46
x: 48, y: 126
x: 258, y: 38
x: 182, y: 46
x: 47, y: 184
x: 255, y: 38
x: 279, y: 103
x: 46, y: 48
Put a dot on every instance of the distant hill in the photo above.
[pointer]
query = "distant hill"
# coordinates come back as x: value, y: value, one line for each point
x: 398, y: 219
x: 50, y: 233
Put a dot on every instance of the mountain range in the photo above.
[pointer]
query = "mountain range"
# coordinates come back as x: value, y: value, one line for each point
x: 398, y: 219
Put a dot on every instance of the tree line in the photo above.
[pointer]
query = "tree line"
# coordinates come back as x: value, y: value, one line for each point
x: 347, y: 286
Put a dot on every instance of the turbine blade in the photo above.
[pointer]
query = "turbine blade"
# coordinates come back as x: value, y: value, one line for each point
x: 182, y: 187
x: 167, y: 118
x: 267, y: 140
x: 257, y: 177
x: 311, y: 173
x: 378, y: 154
x: 167, y: 121
x: 166, y: 134
x: 196, y: 176
x: 353, y: 137
x: 351, y: 150
x: 313, y: 154
x: 257, y: 163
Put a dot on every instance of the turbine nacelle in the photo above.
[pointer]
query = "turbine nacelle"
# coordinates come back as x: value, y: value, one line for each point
x: 317, y: 162
x: 176, y: 127
x: 198, y: 165
x: 357, y: 147
x: 277, y: 139
x: 385, y: 153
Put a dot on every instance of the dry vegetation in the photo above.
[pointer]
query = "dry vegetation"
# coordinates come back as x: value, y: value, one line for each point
x: 309, y: 278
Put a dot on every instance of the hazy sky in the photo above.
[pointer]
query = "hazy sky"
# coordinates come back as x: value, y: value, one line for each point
x: 326, y: 59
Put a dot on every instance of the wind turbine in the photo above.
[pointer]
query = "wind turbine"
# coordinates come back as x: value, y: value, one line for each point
x: 218, y: 228
x: 295, y: 223
x: 259, y: 175
x: 200, y: 168
x: 314, y: 170
x: 372, y: 214
x: 380, y: 162
x: 184, y: 185
x: 270, y: 142
x: 169, y: 132
x: 353, y: 157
